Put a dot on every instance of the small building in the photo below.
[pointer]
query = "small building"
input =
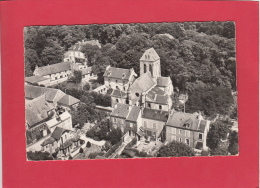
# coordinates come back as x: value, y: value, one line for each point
x: 57, y: 73
x: 37, y: 80
x: 188, y: 128
x: 87, y: 74
x: 118, y: 78
x: 118, y: 96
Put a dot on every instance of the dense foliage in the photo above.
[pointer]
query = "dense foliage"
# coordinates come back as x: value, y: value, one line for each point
x: 233, y: 143
x: 175, y: 149
x: 38, y: 156
x: 199, y: 57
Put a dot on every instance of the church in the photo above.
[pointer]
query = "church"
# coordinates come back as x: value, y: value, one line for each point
x: 150, y: 90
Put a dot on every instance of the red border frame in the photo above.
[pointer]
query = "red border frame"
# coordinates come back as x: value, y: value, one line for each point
x: 235, y: 171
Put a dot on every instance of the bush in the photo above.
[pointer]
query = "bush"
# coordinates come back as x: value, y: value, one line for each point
x: 86, y: 87
x: 95, y: 154
x: 80, y: 150
x: 219, y: 152
x: 88, y: 144
x: 175, y: 149
x: 38, y: 156
x: 204, y: 153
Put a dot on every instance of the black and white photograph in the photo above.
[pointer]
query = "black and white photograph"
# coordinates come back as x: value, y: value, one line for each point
x: 129, y: 91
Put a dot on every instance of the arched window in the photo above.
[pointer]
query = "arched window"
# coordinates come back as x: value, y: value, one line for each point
x: 144, y: 68
x: 137, y: 94
x: 151, y: 69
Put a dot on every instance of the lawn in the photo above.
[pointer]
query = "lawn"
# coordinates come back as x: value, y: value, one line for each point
x: 88, y: 151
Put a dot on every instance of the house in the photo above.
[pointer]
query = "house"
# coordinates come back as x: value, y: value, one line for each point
x: 118, y: 78
x: 37, y: 80
x: 188, y: 128
x: 127, y: 118
x: 153, y: 123
x: 87, y: 74
x: 118, y: 96
x: 56, y: 73
x: 37, y: 112
x: 62, y: 140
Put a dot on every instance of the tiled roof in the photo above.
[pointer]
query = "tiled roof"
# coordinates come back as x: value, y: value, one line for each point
x: 35, y: 79
x: 179, y: 119
x: 58, y: 132
x: 68, y: 100
x: 143, y: 83
x: 66, y: 144
x: 150, y: 55
x: 161, y: 99
x: 118, y: 73
x: 155, y: 91
x: 155, y: 114
x: 54, y: 68
x: 163, y: 81
x: 37, y: 110
x: 118, y: 93
x: 121, y: 110
x: 87, y: 70
x: 32, y: 92
x: 49, y: 140
x: 134, y: 113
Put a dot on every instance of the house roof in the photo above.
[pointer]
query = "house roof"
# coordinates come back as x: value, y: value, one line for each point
x: 35, y: 79
x: 179, y: 119
x: 54, y: 121
x: 121, y: 110
x: 133, y: 114
x: 36, y: 91
x: 87, y: 70
x: 143, y: 83
x: 49, y: 140
x: 118, y: 93
x: 163, y: 81
x: 68, y: 100
x: 36, y: 110
x: 54, y: 68
x: 150, y: 55
x: 118, y: 73
x: 155, y: 114
x: 161, y: 99
x: 58, y: 132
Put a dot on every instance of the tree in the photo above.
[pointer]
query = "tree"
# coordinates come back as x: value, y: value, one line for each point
x: 38, y: 156
x: 233, y: 143
x: 175, y: 149
x: 219, y: 151
x: 218, y: 130
x: 86, y: 87
x: 88, y: 144
x: 114, y: 136
x: 77, y: 76
x: 204, y: 153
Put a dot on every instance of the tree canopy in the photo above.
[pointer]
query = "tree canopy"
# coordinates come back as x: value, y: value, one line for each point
x: 175, y: 149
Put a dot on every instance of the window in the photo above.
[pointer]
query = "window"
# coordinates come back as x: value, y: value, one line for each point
x: 145, y: 124
x: 154, y: 125
x: 180, y: 140
x: 173, y: 138
x: 173, y: 130
x: 124, y: 88
x: 108, y: 80
x: 124, y: 82
x: 144, y: 68
x: 180, y: 131
x: 117, y: 87
x: 187, y: 141
x: 115, y: 120
x: 131, y: 125
x: 56, y: 78
x: 117, y: 100
x: 127, y: 101
x: 137, y: 94
x: 200, y: 136
x: 149, y: 105
x: 187, y: 133
x: 116, y: 81
x: 160, y: 107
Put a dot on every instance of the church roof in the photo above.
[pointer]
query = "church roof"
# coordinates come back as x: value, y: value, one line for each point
x: 36, y: 110
x: 118, y: 73
x: 163, y: 81
x: 36, y: 91
x: 150, y: 55
x: 118, y: 93
x: 54, y: 68
x: 143, y: 83
x: 35, y: 79
x: 68, y: 100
